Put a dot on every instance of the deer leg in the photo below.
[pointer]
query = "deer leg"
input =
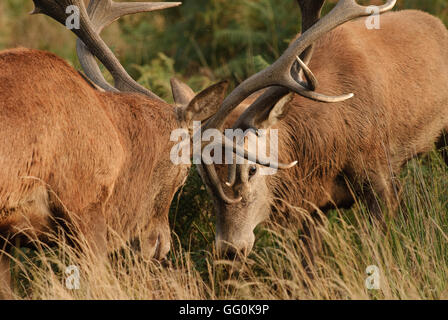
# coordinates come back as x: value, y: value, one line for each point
x: 6, y: 292
x: 94, y: 225
x: 86, y: 228
x: 381, y: 194
x: 94, y: 228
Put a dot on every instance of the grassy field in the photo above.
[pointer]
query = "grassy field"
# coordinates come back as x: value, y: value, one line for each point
x: 202, y: 42
x: 411, y: 257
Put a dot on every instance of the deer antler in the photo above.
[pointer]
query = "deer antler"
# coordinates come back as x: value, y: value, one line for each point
x: 280, y: 75
x: 311, y: 11
x: 100, y: 14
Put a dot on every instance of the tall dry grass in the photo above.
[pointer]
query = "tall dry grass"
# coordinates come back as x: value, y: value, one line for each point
x: 411, y: 254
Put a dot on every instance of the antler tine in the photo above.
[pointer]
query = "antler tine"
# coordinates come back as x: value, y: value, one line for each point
x: 239, y: 151
x: 311, y: 11
x: 243, y: 153
x: 279, y: 73
x: 311, y: 80
x: 101, y: 14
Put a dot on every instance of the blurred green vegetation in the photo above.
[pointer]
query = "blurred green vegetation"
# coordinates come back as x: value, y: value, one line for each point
x: 201, y: 42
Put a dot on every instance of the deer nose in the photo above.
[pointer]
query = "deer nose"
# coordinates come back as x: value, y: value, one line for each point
x: 232, y: 250
x: 227, y: 251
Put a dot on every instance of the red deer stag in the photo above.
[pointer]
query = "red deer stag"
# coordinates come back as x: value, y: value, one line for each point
x: 84, y: 152
x: 344, y: 145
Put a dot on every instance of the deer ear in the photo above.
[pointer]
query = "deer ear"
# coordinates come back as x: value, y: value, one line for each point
x: 206, y: 103
x: 182, y: 93
x: 275, y: 114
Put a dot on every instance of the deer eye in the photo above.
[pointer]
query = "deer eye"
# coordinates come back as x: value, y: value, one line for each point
x: 252, y: 171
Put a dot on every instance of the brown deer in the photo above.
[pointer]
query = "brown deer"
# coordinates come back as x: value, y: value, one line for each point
x: 345, y: 146
x: 76, y: 151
